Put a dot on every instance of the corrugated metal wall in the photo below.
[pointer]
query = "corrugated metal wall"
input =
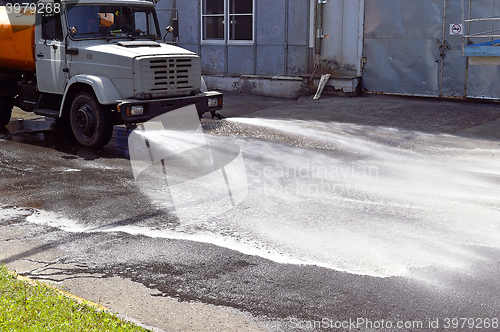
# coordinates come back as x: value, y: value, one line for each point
x: 407, y: 44
x: 484, y: 81
x: 409, y: 49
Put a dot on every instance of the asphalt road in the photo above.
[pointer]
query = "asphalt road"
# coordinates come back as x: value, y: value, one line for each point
x: 346, y: 214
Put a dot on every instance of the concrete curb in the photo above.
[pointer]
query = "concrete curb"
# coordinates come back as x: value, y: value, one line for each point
x: 74, y: 297
x: 90, y: 303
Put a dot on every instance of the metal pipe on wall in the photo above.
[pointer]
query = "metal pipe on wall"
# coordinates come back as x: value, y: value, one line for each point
x: 319, y: 26
x: 285, y: 70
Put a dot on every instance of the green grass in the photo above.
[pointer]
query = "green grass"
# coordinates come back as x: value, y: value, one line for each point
x: 26, y: 307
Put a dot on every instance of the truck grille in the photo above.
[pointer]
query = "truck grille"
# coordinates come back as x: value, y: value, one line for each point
x: 167, y: 76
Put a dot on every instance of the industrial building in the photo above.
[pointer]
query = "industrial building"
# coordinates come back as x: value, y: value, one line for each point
x: 282, y: 47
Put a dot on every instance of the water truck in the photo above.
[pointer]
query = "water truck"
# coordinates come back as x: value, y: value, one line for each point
x: 95, y: 64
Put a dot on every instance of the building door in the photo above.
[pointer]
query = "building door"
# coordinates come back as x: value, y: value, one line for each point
x: 410, y: 48
x: 342, y: 34
x: 452, y: 63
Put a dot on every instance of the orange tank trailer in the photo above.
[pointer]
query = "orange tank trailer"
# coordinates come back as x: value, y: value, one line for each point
x: 17, y: 40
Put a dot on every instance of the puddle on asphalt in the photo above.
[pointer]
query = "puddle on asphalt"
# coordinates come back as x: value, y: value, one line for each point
x: 46, y: 132
x: 370, y: 200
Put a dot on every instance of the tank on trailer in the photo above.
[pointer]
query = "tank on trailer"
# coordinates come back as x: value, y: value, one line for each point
x: 17, y: 40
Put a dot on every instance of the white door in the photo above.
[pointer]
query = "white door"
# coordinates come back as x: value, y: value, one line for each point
x: 342, y: 30
x: 50, y: 55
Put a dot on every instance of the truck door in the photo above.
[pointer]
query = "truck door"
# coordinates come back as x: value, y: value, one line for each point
x: 50, y: 54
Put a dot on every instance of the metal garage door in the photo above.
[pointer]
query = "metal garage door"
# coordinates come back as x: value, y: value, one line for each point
x: 411, y: 49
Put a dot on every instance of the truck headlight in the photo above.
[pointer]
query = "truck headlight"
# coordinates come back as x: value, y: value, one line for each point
x: 136, y: 110
x: 213, y: 102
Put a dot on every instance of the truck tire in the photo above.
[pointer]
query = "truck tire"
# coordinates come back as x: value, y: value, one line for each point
x: 90, y: 123
x: 6, y: 105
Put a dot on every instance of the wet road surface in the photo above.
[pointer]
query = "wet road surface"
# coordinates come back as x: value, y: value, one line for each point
x: 382, y: 213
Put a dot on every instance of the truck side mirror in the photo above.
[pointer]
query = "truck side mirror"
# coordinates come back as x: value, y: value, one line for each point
x: 168, y: 30
x: 175, y: 25
x: 173, y: 29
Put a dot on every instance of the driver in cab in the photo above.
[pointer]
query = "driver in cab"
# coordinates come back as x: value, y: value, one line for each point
x: 121, y: 25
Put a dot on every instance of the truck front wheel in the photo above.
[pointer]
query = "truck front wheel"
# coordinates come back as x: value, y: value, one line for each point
x: 90, y: 123
x: 6, y: 105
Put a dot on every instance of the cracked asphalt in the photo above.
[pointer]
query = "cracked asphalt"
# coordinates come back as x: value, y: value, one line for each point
x: 67, y: 217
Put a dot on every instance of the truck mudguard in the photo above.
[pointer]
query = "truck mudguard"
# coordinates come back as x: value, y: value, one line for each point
x: 104, y: 89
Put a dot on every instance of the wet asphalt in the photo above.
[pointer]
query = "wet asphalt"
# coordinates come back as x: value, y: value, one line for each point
x: 184, y: 285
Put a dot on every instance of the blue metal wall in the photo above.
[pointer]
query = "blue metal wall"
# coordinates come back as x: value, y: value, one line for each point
x: 281, y: 40
x: 402, y: 40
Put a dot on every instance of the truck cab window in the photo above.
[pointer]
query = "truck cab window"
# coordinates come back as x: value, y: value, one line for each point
x: 85, y: 20
x: 113, y: 22
x: 141, y: 21
x: 51, y: 27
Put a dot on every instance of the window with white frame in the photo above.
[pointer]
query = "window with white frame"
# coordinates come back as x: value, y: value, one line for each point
x: 239, y: 14
x: 213, y: 13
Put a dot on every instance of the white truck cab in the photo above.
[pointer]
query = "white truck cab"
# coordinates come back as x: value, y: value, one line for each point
x: 102, y: 63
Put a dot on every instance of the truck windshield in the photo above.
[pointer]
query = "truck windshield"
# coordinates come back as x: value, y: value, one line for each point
x: 112, y: 22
